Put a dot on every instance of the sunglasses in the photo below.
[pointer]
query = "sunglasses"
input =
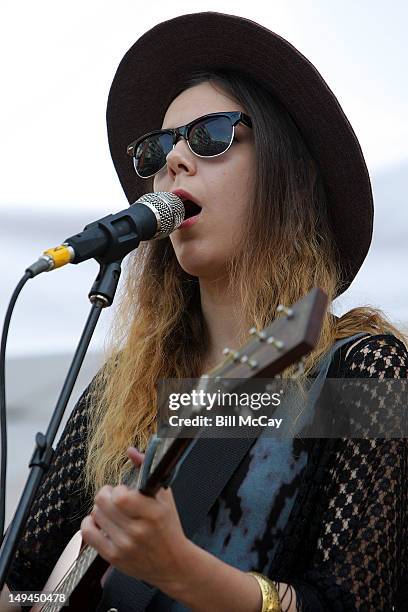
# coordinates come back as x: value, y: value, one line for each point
x: 207, y: 136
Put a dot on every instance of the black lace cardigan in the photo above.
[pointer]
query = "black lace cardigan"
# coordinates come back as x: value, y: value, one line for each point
x: 345, y: 546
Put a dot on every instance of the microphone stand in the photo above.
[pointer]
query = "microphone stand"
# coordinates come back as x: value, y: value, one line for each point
x: 101, y: 296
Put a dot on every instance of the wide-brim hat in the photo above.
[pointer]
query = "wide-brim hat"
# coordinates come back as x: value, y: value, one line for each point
x: 153, y: 70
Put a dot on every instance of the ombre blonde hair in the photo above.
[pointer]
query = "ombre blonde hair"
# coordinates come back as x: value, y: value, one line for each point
x: 159, y: 328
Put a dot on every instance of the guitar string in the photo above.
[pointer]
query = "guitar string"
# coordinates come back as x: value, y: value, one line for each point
x: 74, y: 574
x: 67, y: 583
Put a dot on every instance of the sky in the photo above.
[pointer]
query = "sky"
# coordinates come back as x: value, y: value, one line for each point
x: 58, y: 61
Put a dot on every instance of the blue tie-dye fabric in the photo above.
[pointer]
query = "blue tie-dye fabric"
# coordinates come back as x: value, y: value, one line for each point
x: 264, y: 500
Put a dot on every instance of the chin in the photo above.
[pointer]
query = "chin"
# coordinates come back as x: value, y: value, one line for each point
x: 201, y: 268
x: 200, y: 258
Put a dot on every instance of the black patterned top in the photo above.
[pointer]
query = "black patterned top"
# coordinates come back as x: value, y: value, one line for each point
x: 344, y: 546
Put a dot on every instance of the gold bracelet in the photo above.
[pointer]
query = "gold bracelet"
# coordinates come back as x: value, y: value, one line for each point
x: 270, y: 596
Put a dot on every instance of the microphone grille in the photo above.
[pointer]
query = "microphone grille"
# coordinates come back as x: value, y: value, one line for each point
x: 168, y: 208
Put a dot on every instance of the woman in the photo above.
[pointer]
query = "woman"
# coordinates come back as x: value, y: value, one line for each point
x: 285, y: 206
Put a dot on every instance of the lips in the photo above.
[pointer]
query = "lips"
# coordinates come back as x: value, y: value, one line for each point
x: 191, y: 207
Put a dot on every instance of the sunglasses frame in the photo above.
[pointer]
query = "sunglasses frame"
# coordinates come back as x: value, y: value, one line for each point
x: 182, y: 132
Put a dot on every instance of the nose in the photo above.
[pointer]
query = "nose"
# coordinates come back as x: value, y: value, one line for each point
x: 181, y: 159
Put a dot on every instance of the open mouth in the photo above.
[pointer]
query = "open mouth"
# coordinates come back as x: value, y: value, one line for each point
x: 192, y: 209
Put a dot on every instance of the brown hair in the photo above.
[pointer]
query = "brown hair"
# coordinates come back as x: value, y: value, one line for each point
x: 159, y: 327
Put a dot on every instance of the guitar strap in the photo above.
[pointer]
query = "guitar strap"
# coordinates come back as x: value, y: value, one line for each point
x: 200, y: 479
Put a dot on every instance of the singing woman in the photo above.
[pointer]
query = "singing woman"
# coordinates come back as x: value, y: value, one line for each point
x: 231, y: 117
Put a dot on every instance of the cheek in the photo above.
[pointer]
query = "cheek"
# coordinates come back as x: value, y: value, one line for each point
x: 159, y: 183
x: 237, y: 193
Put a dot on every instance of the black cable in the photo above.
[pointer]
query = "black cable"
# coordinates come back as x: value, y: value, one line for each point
x: 3, y: 414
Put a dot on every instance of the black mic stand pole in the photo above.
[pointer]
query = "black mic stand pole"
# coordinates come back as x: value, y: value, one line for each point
x: 101, y: 295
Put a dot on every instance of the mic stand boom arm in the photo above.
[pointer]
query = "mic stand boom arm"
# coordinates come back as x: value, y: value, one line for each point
x: 101, y: 295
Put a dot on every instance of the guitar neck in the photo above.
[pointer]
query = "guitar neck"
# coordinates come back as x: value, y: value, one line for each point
x: 165, y: 467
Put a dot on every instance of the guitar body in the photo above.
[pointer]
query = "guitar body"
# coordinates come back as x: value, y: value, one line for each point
x: 88, y: 592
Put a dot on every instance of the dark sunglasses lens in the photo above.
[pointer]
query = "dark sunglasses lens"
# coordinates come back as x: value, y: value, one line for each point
x: 210, y: 136
x: 150, y: 155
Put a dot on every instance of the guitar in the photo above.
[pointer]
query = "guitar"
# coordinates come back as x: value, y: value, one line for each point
x: 78, y: 573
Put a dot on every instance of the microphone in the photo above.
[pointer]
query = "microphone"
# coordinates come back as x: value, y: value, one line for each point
x: 152, y: 216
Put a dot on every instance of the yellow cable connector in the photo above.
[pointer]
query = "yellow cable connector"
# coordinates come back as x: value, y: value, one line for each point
x: 60, y: 255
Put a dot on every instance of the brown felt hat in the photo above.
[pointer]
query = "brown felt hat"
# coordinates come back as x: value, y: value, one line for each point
x: 155, y: 67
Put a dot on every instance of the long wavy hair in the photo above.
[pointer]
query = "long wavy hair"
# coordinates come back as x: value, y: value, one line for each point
x: 159, y: 330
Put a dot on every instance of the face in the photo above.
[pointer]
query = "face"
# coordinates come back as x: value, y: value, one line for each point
x: 222, y: 185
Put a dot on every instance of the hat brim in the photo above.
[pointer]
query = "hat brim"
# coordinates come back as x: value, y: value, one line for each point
x: 152, y: 71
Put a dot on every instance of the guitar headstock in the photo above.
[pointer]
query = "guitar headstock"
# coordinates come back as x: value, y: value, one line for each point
x: 285, y: 341
x: 269, y: 352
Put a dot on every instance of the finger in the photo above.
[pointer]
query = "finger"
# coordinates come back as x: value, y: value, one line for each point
x: 165, y: 495
x: 134, y: 504
x: 94, y: 518
x: 115, y: 504
x: 113, y: 529
x: 165, y: 498
x: 95, y: 538
x: 121, y: 503
x: 135, y: 456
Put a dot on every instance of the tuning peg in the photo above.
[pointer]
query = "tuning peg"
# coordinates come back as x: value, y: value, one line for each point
x: 277, y: 343
x: 288, y: 311
x: 254, y: 332
x: 235, y: 356
x: 244, y: 359
x: 300, y: 368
